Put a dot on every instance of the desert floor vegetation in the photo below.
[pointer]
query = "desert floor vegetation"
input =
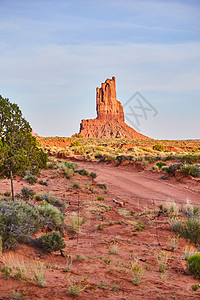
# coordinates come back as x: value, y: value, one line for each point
x: 68, y: 238
x: 163, y: 156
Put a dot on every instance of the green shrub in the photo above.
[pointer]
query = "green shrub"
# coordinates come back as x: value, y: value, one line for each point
x: 158, y: 147
x: 7, y: 194
x: 191, y: 230
x: 53, y: 200
x: 195, y: 287
x: 102, y: 186
x: 18, y: 221
x: 52, y: 241
x: 176, y: 225
x: 190, y: 159
x: 173, y: 168
x: 100, y: 227
x: 76, y: 185
x: 140, y: 226
x: 192, y: 210
x: 124, y: 212
x: 68, y: 172
x: 99, y: 197
x: 161, y: 164
x: 146, y: 149
x: 27, y: 193
x: 51, y: 216
x: 193, y: 265
x: 93, y: 175
x: 155, y: 168
x: 83, y: 172
x: 40, y: 197
x: 75, y: 222
x: 193, y: 170
x: 43, y: 182
x: 75, y: 143
x: 71, y: 165
x: 30, y: 178
x: 50, y: 165
x: 78, y: 136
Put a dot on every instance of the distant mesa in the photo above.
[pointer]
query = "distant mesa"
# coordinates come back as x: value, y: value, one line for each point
x: 110, y: 116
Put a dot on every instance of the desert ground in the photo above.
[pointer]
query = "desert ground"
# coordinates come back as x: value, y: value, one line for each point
x: 124, y: 249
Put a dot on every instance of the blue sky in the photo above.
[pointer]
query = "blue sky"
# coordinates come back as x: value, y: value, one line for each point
x: 54, y: 53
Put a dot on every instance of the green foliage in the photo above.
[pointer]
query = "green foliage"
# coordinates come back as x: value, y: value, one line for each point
x: 162, y: 259
x: 75, y: 222
x: 99, y: 197
x: 137, y: 273
x: 43, y: 182
x: 190, y: 159
x: 7, y: 194
x: 158, y: 147
x: 173, y: 168
x: 100, y: 227
x: 193, y: 170
x: 75, y: 289
x: 93, y: 175
x: 18, y: 148
x: 83, y: 172
x: 70, y: 165
x: 78, y: 136
x: 52, y: 199
x: 27, y: 193
x: 193, y: 265
x: 19, y: 268
x: 51, y: 216
x: 68, y: 172
x: 102, y: 186
x: 193, y: 210
x: 68, y: 168
x: 161, y: 164
x: 124, y: 212
x: 191, y: 230
x: 30, y: 178
x: 18, y: 221
x: 50, y: 165
x: 146, y: 149
x: 140, y: 226
x: 76, y: 185
x: 52, y: 241
x: 195, y: 287
x: 75, y: 143
x: 189, y: 251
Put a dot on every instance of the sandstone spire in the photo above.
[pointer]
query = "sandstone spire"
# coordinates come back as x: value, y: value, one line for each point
x: 108, y: 107
x: 110, y: 116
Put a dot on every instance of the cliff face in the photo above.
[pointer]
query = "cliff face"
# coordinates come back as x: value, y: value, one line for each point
x: 110, y: 116
x: 108, y: 107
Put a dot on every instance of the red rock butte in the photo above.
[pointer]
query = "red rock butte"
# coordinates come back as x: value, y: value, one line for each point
x: 110, y: 117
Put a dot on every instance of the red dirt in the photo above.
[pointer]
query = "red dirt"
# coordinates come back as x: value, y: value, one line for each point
x: 140, y: 191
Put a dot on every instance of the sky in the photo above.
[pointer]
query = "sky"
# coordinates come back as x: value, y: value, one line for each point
x: 54, y: 53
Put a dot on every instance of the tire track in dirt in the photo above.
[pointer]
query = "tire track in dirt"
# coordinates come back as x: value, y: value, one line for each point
x: 143, y: 187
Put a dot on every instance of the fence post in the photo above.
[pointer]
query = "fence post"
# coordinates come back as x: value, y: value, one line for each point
x: 12, y: 185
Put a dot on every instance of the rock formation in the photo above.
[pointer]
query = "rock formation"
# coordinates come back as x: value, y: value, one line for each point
x: 110, y: 116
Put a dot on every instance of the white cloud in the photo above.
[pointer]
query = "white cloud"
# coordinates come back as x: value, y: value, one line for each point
x: 153, y: 67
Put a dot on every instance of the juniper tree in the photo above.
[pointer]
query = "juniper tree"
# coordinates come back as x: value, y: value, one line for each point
x: 18, y: 148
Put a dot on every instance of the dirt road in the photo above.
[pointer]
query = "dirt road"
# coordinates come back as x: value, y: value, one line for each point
x: 143, y: 188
